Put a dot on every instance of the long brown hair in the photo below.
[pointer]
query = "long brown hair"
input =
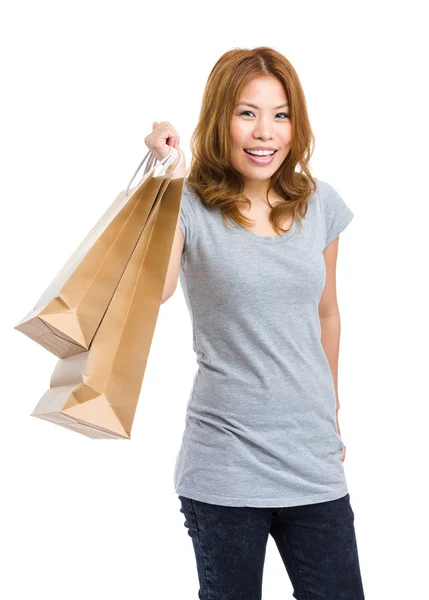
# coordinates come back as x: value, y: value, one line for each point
x: 211, y: 174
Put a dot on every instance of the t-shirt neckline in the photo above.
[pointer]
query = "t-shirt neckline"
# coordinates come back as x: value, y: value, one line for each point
x: 269, y: 239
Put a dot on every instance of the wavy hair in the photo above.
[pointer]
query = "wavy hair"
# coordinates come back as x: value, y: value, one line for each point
x: 211, y: 174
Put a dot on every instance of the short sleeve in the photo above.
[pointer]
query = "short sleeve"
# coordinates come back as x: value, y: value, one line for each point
x: 187, y: 217
x: 336, y: 214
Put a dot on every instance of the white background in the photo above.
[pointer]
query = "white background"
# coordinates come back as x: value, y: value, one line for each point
x: 81, y: 84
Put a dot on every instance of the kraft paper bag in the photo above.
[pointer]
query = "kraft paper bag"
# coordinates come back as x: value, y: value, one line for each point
x: 96, y: 392
x: 67, y: 315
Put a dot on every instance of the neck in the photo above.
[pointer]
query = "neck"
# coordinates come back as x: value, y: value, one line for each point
x: 256, y: 191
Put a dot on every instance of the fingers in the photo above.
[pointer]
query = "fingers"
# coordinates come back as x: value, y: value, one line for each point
x: 162, y: 136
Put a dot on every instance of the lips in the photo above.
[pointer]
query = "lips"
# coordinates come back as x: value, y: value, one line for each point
x: 264, y: 159
x: 269, y: 149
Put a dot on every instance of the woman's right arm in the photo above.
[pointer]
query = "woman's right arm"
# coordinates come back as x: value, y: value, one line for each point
x: 159, y: 141
x: 173, y: 264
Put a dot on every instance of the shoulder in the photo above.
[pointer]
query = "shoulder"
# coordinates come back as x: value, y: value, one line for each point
x: 325, y: 191
x: 330, y: 200
x: 189, y: 214
x: 335, y: 213
x: 191, y: 201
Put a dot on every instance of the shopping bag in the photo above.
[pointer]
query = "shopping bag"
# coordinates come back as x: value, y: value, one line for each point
x: 67, y: 315
x: 96, y: 392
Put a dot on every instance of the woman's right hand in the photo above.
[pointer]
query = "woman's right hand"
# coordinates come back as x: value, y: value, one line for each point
x: 163, y: 136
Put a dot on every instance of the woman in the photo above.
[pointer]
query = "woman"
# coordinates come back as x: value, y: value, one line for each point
x: 255, y: 249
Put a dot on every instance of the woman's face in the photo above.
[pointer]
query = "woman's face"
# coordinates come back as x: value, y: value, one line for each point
x: 266, y: 124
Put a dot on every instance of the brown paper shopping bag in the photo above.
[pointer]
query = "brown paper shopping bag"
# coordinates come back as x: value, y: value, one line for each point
x: 67, y: 315
x: 96, y: 392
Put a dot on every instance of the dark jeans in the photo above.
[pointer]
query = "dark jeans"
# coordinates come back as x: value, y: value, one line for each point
x: 317, y: 544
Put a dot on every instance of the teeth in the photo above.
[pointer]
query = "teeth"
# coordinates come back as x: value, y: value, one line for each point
x: 261, y: 152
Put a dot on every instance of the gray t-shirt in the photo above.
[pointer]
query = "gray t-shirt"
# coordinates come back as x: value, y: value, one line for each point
x: 260, y: 427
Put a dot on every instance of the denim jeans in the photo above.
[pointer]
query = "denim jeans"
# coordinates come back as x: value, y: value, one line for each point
x: 317, y: 544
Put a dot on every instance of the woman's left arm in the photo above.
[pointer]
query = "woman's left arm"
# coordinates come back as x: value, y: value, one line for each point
x: 330, y: 321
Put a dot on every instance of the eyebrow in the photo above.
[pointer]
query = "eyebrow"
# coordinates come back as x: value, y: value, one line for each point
x: 254, y: 105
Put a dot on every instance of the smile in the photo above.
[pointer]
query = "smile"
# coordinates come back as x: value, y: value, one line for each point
x: 264, y: 159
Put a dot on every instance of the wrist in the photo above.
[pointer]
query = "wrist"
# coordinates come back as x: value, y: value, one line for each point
x: 179, y: 169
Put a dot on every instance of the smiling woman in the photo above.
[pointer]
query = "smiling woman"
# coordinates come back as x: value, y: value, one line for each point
x: 262, y: 453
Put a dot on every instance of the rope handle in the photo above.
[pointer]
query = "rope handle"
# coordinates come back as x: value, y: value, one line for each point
x: 165, y: 163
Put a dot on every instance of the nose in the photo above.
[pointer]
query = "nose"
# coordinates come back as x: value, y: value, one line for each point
x: 263, y: 129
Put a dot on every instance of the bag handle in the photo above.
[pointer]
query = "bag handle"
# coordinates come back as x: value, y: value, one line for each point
x: 165, y: 162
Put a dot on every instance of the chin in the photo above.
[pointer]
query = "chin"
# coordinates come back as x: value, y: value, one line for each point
x: 260, y: 176
x: 258, y: 173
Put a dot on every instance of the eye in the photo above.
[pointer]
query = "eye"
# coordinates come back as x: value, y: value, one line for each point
x: 249, y: 111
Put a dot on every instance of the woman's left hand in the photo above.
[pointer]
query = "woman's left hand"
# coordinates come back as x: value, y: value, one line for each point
x: 343, y: 458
